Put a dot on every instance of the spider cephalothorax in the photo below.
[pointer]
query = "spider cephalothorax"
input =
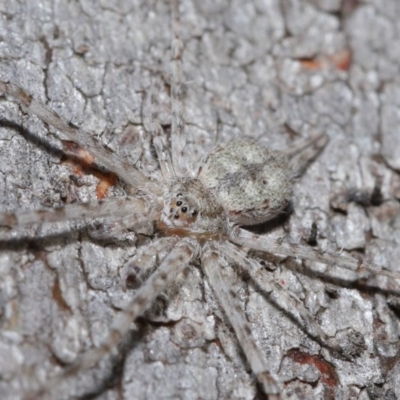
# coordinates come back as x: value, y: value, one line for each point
x: 188, y: 206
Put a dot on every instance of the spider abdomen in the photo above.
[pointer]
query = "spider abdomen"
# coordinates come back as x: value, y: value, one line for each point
x: 252, y: 183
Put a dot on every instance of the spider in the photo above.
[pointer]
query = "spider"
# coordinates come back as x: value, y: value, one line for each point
x: 238, y: 183
x: 199, y: 214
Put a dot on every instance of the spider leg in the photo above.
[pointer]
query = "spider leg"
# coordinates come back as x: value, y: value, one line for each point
x: 164, y: 158
x: 114, y: 228
x: 344, y: 267
x: 178, y: 140
x: 106, y: 157
x: 152, y: 125
x: 279, y: 296
x: 145, y: 261
x: 141, y: 209
x: 179, y: 258
x: 235, y: 314
x: 302, y: 153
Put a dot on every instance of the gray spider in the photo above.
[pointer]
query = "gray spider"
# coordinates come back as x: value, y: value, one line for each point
x: 238, y: 183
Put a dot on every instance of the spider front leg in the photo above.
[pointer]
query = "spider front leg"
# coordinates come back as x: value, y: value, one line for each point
x: 226, y: 297
x: 170, y: 157
x: 179, y: 258
x: 164, y: 157
x: 140, y: 209
x: 106, y: 157
x: 178, y: 139
x: 152, y: 125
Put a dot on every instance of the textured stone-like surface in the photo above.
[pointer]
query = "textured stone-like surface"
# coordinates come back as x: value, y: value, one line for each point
x: 271, y: 70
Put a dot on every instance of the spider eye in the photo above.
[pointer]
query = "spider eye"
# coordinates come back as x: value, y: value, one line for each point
x: 194, y: 212
x: 171, y: 210
x: 178, y: 203
x: 264, y: 181
x: 184, y: 209
x: 179, y: 195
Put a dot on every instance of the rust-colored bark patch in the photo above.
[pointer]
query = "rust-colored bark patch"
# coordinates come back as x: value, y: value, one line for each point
x: 327, y: 370
x: 106, y: 181
x: 341, y: 60
x: 58, y: 297
x: 82, y: 162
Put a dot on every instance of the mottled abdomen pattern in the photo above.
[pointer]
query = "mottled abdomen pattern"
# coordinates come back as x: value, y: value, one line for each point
x: 252, y: 183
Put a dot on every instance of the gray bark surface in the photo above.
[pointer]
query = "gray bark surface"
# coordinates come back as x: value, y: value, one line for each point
x: 273, y: 70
